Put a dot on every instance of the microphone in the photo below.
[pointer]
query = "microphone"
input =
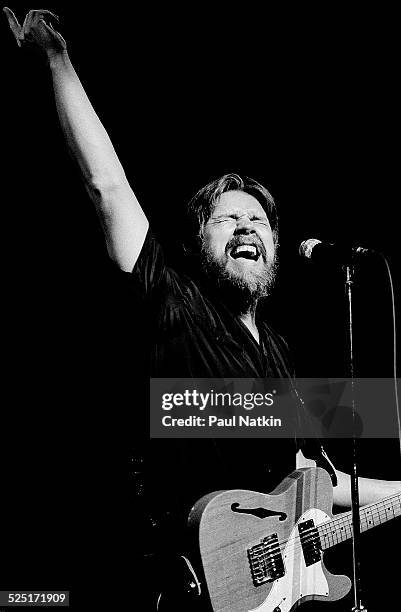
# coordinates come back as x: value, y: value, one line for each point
x: 329, y: 252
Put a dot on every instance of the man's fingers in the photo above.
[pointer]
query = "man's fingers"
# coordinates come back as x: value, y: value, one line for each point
x: 12, y: 20
x: 35, y: 17
x: 27, y: 22
x: 14, y: 25
x: 41, y: 13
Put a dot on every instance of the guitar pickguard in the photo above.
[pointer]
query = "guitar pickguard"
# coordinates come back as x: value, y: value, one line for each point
x: 299, y: 579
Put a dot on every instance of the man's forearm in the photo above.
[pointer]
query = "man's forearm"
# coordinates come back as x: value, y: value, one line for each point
x: 86, y: 137
x: 370, y: 490
x: 123, y: 220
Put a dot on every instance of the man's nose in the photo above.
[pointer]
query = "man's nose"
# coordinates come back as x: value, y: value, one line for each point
x: 244, y: 225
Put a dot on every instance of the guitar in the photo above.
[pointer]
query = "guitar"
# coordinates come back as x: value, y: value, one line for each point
x: 263, y: 553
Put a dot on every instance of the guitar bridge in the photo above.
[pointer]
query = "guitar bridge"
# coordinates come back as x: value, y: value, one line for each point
x: 265, y: 560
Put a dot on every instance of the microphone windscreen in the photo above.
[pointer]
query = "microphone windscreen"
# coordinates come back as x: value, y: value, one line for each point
x: 306, y: 247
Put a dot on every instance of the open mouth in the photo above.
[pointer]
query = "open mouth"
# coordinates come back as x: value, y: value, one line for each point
x: 245, y: 251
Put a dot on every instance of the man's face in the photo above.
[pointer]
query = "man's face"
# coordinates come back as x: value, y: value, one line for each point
x: 238, y: 242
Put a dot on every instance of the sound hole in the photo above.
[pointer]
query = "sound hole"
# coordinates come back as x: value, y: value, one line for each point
x: 261, y: 513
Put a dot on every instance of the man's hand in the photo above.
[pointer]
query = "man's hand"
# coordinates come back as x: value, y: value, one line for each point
x: 35, y: 31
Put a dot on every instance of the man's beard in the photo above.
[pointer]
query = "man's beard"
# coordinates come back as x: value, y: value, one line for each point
x: 240, y: 291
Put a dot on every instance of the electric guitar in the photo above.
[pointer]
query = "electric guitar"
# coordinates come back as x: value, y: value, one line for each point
x: 263, y: 553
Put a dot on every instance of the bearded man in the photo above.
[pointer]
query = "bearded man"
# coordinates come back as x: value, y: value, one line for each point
x: 205, y: 324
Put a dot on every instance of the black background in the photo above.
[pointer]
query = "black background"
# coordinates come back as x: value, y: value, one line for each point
x: 303, y: 100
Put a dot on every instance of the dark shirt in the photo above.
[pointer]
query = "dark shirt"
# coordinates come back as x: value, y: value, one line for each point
x: 193, y: 334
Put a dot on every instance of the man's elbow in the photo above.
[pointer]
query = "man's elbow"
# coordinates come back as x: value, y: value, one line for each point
x: 104, y: 188
x: 107, y: 195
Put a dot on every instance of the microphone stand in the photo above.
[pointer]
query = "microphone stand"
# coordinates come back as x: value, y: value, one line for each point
x: 358, y: 607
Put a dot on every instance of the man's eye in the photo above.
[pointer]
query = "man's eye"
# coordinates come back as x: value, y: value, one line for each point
x: 224, y: 219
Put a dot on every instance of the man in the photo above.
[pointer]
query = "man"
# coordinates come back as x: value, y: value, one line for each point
x: 205, y: 324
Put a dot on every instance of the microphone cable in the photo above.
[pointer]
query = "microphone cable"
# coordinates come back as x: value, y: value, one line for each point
x: 397, y: 405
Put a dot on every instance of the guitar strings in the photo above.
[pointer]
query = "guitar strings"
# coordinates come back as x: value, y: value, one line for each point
x: 310, y: 540
x: 297, y: 548
x: 377, y: 510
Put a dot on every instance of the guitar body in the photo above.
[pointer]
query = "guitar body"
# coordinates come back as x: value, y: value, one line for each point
x: 252, y: 554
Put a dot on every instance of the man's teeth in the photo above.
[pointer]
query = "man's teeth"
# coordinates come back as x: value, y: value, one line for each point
x: 245, y: 248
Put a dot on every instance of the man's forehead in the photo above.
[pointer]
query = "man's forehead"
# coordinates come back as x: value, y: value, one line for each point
x: 233, y: 201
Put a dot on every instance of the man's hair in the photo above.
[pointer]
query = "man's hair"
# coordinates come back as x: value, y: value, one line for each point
x: 201, y: 206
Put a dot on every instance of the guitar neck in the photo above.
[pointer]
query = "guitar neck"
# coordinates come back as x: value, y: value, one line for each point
x: 340, y: 528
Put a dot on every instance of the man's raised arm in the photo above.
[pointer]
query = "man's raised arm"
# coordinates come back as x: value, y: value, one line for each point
x: 123, y: 220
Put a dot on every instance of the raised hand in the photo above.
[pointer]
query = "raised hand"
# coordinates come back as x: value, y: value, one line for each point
x: 36, y: 31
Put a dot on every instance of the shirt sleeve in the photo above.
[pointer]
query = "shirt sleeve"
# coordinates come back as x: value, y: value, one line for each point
x: 150, y: 272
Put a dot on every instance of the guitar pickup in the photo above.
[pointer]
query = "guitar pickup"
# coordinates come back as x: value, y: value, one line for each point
x: 266, y: 561
x: 310, y: 542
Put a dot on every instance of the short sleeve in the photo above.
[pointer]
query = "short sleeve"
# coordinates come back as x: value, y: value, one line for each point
x: 150, y: 271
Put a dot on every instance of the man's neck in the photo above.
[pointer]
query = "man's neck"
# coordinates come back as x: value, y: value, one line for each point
x: 249, y: 320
